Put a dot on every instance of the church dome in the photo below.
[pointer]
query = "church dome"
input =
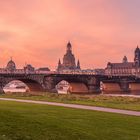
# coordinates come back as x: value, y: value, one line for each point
x: 11, y: 66
x: 68, y: 60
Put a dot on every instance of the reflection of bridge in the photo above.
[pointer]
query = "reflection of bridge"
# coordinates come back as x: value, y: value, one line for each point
x: 47, y: 81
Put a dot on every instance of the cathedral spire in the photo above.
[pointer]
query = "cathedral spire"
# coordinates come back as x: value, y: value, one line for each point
x: 137, y: 49
x: 11, y: 58
x: 137, y: 56
x: 69, y: 47
x: 59, y: 62
x: 59, y: 65
x: 78, y: 64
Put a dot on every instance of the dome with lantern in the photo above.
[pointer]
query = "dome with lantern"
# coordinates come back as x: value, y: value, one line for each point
x: 11, y: 66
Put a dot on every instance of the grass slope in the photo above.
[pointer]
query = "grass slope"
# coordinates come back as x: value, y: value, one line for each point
x: 22, y: 121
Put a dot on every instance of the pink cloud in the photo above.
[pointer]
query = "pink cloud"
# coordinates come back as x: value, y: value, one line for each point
x: 38, y: 30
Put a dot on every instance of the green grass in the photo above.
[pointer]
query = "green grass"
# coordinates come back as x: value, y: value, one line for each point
x: 24, y: 121
x: 127, y: 103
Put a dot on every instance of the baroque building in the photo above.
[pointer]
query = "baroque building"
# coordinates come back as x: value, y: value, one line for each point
x: 11, y: 66
x: 68, y: 60
x: 126, y: 67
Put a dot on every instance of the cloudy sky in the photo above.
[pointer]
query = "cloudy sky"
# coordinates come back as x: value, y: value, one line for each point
x: 37, y: 31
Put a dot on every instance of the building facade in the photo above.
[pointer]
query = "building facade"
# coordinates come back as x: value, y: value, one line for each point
x: 125, y: 67
x: 68, y: 60
x: 11, y: 66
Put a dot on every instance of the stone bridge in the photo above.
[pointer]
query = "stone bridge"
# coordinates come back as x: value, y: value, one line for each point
x: 47, y: 82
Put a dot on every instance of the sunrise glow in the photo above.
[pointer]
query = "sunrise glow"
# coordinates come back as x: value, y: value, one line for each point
x: 37, y: 31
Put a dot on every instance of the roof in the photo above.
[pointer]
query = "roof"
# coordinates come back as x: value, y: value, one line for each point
x: 122, y: 65
x: 44, y: 69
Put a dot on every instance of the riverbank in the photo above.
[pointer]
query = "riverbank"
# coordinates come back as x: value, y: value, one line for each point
x: 118, y: 102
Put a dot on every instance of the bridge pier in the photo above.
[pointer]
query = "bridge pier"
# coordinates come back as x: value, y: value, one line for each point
x: 50, y: 85
x: 94, y: 89
x: 93, y: 85
x: 1, y: 91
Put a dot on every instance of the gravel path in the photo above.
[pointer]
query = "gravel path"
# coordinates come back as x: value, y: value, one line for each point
x: 103, y: 109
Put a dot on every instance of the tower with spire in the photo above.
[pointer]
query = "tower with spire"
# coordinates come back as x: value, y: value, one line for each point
x: 59, y: 65
x: 11, y: 66
x: 125, y: 60
x: 78, y: 64
x: 68, y: 60
x: 137, y: 57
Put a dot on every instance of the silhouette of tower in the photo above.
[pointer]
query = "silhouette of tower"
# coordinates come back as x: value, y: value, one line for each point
x: 125, y: 60
x: 78, y: 64
x: 68, y: 60
x: 137, y: 57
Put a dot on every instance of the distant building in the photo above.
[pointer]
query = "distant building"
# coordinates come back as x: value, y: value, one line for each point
x: 94, y: 71
x: 11, y: 66
x: 128, y: 68
x: 68, y: 61
x: 100, y: 71
x: 29, y: 68
x: 44, y: 69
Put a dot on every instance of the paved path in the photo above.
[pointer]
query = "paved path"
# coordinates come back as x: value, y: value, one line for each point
x: 123, y: 95
x: 103, y: 109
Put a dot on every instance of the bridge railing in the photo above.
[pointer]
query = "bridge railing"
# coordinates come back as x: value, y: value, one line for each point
x: 26, y: 72
x: 121, y: 75
x: 22, y: 71
x: 47, y: 72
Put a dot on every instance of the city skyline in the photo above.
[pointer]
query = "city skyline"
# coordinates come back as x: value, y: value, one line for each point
x: 37, y: 31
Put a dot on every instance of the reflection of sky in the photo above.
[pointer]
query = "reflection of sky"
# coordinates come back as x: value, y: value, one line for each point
x: 37, y: 31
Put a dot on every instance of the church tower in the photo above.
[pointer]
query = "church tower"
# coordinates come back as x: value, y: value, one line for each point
x: 59, y: 65
x: 69, y: 48
x: 137, y: 57
x: 68, y: 60
x: 125, y: 60
x: 78, y: 65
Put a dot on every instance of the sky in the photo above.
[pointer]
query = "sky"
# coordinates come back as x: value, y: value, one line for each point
x: 37, y: 31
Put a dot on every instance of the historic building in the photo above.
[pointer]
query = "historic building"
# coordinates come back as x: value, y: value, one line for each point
x: 11, y: 66
x: 68, y: 61
x: 29, y: 68
x: 125, y: 68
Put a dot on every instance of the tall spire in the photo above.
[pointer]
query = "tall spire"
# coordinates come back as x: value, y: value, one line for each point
x: 78, y: 64
x: 11, y: 58
x: 59, y: 62
x: 137, y: 56
x: 137, y: 49
x: 69, y: 47
x: 59, y: 65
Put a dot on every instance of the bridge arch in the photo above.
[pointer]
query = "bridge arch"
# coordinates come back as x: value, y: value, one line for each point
x: 64, y: 86
x: 88, y: 83
x: 32, y: 85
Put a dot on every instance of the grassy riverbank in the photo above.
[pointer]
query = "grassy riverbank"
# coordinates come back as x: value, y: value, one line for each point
x: 128, y: 103
x: 23, y: 121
